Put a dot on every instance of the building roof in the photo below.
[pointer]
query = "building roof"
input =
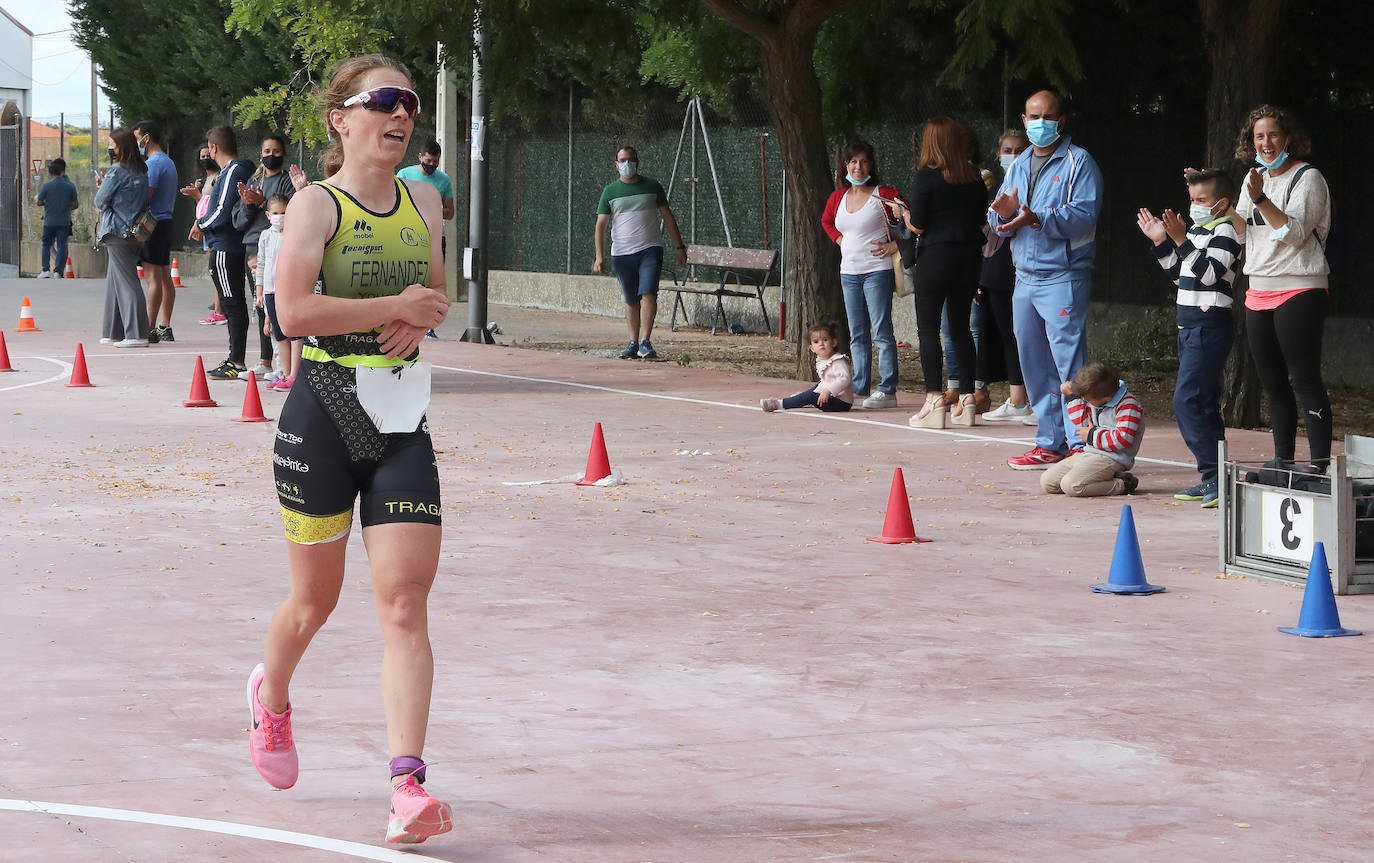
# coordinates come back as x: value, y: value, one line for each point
x: 14, y: 22
x: 42, y: 130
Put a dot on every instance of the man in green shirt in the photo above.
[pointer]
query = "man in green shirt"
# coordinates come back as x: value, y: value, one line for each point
x: 631, y: 206
x: 57, y: 197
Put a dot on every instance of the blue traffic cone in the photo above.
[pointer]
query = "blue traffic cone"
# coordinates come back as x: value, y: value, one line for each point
x: 1318, y: 618
x: 1128, y: 569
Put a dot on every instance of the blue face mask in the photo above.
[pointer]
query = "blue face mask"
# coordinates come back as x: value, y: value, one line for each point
x: 1042, y: 132
x: 1274, y: 165
x: 1201, y: 214
x: 628, y: 169
x: 855, y: 181
x: 1006, y: 159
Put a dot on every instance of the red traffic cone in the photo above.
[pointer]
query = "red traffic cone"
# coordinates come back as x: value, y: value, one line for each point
x: 26, y: 322
x: 252, y: 404
x: 176, y: 273
x: 5, y: 356
x: 80, y: 377
x: 69, y: 273
x: 200, y: 390
x: 897, y: 527
x: 140, y: 272
x: 598, y: 463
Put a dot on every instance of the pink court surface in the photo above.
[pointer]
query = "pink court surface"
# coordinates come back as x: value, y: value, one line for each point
x: 707, y: 663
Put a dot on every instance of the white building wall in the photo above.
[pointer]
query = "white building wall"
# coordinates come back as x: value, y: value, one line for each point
x: 16, y: 72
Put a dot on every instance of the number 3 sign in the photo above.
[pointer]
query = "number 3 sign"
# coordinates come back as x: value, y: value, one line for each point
x: 1286, y: 529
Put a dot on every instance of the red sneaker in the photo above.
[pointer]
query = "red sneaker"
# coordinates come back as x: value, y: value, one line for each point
x: 1037, y: 458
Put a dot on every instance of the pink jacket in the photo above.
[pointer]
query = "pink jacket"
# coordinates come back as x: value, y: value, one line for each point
x: 837, y: 377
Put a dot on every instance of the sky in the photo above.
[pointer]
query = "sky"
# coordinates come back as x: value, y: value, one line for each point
x: 61, y: 70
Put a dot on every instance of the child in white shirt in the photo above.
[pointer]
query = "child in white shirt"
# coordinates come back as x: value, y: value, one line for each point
x: 288, y: 349
x: 835, y: 392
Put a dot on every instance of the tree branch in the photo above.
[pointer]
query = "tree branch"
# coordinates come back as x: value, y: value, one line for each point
x: 811, y: 14
x: 756, y: 26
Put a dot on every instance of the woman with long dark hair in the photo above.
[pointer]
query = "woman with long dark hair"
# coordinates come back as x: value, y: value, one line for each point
x: 122, y: 195
x: 856, y: 220
x: 1285, y: 217
x: 353, y: 429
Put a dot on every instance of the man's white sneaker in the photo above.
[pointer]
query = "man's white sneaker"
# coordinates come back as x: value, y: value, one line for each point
x: 1031, y: 420
x: 46, y: 274
x: 1008, y: 412
x: 880, y: 400
x: 132, y: 343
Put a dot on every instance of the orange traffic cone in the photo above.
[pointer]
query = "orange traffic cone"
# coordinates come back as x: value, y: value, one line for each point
x: 80, y: 377
x: 176, y: 273
x: 26, y: 322
x: 598, y: 463
x: 897, y: 527
x: 69, y: 273
x: 200, y: 390
x: 140, y: 272
x: 252, y: 404
x: 5, y: 356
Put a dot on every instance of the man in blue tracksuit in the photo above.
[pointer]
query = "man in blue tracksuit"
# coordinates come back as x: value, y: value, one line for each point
x: 1048, y: 205
x: 228, y: 261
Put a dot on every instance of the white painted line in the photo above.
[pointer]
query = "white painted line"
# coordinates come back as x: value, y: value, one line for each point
x: 65, y: 371
x: 228, y: 828
x: 956, y: 436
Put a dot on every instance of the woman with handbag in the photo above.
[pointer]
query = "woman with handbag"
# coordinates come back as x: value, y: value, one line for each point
x: 857, y: 222
x: 948, y: 208
x: 122, y: 200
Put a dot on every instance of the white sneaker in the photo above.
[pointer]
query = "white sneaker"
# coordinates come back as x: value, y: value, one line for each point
x: 46, y: 274
x: 107, y: 341
x: 1031, y: 420
x: 272, y: 376
x: 770, y: 405
x: 259, y: 371
x: 880, y: 400
x: 1008, y: 412
x: 132, y: 343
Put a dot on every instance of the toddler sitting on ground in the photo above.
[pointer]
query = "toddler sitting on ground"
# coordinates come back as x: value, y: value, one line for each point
x: 835, y: 392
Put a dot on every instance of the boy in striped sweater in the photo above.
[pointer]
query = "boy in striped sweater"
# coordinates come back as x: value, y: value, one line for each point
x: 1108, y: 419
x: 1202, y: 261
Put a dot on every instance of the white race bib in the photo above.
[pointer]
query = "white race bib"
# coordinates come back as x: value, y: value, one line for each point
x: 395, y: 397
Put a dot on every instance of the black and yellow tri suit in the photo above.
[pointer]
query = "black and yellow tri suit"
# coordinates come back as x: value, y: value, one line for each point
x: 329, y: 452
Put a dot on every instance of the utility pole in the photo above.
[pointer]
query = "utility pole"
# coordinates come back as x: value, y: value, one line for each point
x: 475, y: 255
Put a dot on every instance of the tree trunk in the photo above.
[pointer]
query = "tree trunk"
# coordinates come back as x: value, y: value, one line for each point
x: 1240, y: 38
x: 813, y: 260
x: 786, y: 31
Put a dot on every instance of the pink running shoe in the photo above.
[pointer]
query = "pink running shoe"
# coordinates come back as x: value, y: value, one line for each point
x: 269, y: 739
x: 284, y: 383
x: 212, y: 318
x: 415, y: 816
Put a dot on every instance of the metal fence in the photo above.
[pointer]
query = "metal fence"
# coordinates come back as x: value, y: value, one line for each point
x: 11, y: 196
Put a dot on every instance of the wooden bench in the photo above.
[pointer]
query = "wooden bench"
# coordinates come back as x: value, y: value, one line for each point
x: 743, y: 273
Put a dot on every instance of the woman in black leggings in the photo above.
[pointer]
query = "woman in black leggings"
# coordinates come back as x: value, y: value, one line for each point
x: 948, y: 209
x: 1285, y: 216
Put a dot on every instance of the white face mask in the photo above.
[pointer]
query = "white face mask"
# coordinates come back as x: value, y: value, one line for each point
x: 1006, y: 159
x: 278, y: 220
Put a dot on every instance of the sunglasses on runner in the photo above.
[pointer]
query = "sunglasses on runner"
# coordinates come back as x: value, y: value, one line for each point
x: 386, y: 99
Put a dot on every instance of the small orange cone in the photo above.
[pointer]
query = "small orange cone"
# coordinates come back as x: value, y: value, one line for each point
x: 5, y: 356
x: 80, y: 377
x: 176, y: 273
x: 897, y: 527
x: 69, y: 273
x: 200, y: 390
x: 252, y: 404
x: 598, y: 463
x: 26, y: 322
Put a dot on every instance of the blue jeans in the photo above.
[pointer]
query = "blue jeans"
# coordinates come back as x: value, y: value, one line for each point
x: 868, y: 305
x: 56, y: 237
x: 1202, y: 353
x: 975, y: 320
x: 1052, y: 339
